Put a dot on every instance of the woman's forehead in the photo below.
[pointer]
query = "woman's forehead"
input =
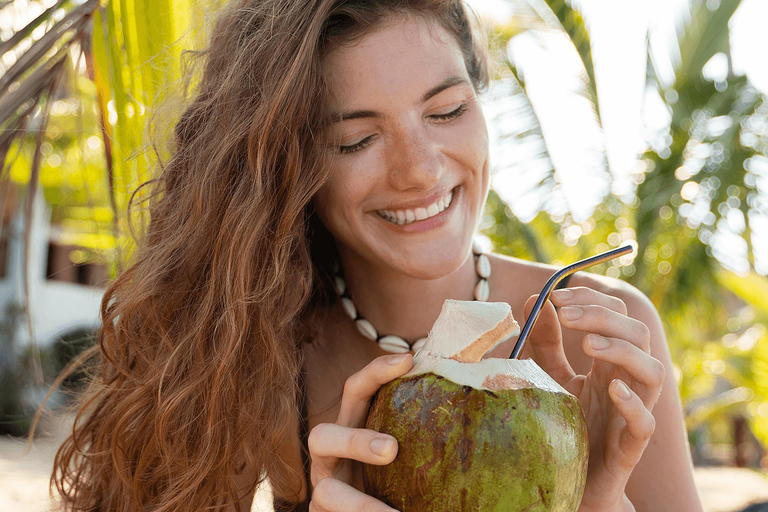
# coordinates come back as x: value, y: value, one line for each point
x: 400, y: 60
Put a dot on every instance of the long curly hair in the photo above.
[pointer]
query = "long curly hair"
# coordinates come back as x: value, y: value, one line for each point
x: 200, y: 352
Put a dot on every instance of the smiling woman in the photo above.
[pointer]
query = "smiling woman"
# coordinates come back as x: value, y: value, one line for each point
x: 336, y: 138
x: 404, y: 146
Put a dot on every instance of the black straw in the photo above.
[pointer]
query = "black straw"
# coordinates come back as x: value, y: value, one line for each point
x: 556, y: 278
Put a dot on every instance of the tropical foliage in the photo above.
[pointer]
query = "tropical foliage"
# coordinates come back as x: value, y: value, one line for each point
x: 80, y: 82
x: 80, y: 78
x: 699, y: 190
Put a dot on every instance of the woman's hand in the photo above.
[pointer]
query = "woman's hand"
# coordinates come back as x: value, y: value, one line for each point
x: 336, y: 449
x: 618, y: 393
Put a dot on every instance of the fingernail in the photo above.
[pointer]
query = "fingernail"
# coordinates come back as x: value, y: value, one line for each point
x: 571, y: 313
x: 598, y: 342
x: 622, y: 390
x: 399, y: 358
x: 563, y: 294
x: 381, y: 446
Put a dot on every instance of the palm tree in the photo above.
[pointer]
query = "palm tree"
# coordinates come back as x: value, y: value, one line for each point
x: 691, y: 211
x: 60, y: 60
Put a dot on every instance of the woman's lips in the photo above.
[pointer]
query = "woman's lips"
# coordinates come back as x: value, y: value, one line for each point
x: 428, y: 223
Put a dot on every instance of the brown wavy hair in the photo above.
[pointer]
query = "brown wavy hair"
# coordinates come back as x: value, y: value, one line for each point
x: 200, y: 351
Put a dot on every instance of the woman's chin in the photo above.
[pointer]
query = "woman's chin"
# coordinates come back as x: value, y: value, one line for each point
x: 428, y: 260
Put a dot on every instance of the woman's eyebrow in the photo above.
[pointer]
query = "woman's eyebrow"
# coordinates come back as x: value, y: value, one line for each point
x: 449, y: 82
x: 445, y: 84
x: 337, y: 117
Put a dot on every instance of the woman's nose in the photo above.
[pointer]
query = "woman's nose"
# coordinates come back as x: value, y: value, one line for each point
x: 415, y: 162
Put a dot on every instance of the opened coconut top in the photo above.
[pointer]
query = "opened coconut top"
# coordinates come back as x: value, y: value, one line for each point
x: 462, y: 334
x: 466, y: 330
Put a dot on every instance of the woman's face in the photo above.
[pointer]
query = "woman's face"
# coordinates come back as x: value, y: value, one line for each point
x: 409, y: 176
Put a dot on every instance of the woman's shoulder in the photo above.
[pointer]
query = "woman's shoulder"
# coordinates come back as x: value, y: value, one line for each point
x: 514, y: 280
x: 522, y: 277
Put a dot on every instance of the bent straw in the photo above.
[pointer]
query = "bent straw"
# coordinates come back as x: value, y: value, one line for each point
x: 556, y: 278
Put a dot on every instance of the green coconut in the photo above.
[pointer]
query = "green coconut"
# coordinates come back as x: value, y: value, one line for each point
x: 478, y: 434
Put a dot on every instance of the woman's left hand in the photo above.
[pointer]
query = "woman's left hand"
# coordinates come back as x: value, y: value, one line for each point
x: 618, y: 393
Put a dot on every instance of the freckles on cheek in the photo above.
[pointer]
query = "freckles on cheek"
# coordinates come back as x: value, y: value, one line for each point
x: 337, y: 204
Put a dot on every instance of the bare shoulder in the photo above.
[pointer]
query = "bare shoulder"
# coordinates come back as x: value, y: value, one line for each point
x: 514, y: 280
x: 528, y: 277
x: 639, y: 306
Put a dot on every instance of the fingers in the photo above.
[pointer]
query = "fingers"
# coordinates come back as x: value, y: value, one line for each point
x: 646, y: 370
x: 546, y: 342
x: 590, y: 311
x: 584, y: 295
x: 360, y: 387
x: 329, y: 442
x: 640, y: 425
x: 331, y: 495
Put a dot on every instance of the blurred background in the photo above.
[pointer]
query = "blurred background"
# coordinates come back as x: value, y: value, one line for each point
x: 610, y: 121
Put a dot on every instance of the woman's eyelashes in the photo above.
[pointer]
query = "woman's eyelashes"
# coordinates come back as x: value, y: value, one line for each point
x: 448, y: 116
x: 453, y: 114
x: 356, y: 147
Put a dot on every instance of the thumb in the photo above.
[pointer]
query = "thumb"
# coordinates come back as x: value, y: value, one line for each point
x: 546, y: 341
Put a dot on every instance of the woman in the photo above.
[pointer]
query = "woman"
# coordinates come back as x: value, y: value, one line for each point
x: 329, y: 132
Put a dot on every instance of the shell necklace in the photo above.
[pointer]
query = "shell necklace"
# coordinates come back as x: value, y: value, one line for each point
x: 390, y: 342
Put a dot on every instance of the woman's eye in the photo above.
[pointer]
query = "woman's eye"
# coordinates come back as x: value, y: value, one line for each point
x: 357, y: 146
x: 452, y: 114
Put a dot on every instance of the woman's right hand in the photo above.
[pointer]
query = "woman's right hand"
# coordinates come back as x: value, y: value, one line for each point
x: 338, y: 449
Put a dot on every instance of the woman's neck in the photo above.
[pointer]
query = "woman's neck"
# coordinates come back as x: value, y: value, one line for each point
x: 396, y: 303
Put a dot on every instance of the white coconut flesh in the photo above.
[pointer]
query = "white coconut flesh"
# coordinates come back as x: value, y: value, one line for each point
x: 462, y: 334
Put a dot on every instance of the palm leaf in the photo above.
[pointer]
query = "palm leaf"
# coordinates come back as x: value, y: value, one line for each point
x: 706, y: 34
x: 26, y: 31
x: 29, y: 211
x: 75, y: 21
x: 34, y: 70
x: 517, y: 145
x: 573, y: 24
x: 696, y: 105
x: 752, y: 289
x: 132, y: 61
x: 546, y: 120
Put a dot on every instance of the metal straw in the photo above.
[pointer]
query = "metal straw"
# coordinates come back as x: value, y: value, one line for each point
x: 556, y: 278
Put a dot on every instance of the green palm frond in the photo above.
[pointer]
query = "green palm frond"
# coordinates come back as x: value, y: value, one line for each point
x: 691, y: 201
x: 573, y: 24
x: 122, y: 57
x: 753, y: 290
x: 35, y: 71
x: 534, y: 151
x: 706, y: 34
x: 517, y: 126
x: 702, y: 166
x: 130, y: 51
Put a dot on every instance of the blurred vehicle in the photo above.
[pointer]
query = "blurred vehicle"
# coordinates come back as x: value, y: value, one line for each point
x: 61, y: 316
x: 64, y: 297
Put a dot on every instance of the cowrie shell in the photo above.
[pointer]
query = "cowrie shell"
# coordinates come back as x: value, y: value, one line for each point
x: 482, y: 290
x: 366, y: 328
x: 483, y: 266
x: 339, y: 285
x: 392, y: 343
x: 349, y: 307
x: 419, y: 344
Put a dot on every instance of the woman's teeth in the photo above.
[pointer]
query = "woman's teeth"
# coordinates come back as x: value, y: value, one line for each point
x: 402, y: 217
